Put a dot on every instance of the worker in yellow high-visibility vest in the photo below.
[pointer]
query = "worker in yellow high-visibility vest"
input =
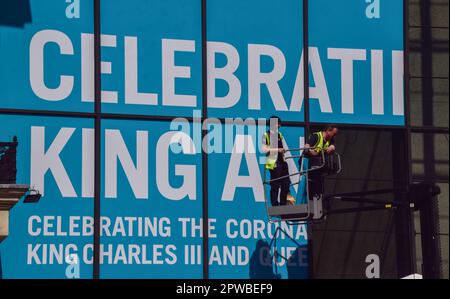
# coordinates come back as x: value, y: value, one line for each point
x: 272, y: 146
x: 322, y: 140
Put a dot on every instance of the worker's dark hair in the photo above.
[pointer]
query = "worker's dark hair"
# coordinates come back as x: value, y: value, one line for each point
x: 329, y: 127
x: 273, y: 117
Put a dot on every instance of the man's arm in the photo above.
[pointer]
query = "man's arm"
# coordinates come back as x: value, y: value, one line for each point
x: 311, y: 142
x: 267, y: 148
x: 331, y: 148
x: 310, y: 151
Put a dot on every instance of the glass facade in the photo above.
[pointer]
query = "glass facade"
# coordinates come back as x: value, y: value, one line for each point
x: 164, y: 65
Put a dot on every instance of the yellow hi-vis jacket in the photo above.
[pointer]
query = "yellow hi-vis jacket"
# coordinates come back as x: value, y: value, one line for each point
x: 321, y: 144
x: 271, y: 161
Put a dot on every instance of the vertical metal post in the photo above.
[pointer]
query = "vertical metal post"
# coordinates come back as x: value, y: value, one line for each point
x: 426, y: 194
x: 403, y: 217
x: 406, y: 79
x: 429, y: 212
x: 205, y: 217
x: 402, y: 170
x: 306, y: 118
x: 306, y: 65
x: 97, y: 139
x: 402, y: 174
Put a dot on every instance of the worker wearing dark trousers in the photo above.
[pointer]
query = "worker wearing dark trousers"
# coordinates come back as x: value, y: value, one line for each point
x: 276, y: 163
x: 319, y: 141
x: 315, y: 178
x: 280, y: 186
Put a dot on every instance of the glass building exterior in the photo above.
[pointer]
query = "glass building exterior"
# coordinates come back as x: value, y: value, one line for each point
x: 140, y: 122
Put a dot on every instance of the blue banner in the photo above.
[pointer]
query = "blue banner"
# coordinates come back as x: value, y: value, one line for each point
x: 152, y: 63
x: 151, y: 208
x: 356, y: 61
x: 151, y: 170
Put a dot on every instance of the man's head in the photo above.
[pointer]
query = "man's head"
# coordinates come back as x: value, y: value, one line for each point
x: 274, y: 123
x: 330, y: 131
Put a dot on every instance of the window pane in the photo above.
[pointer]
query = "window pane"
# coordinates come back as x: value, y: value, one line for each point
x: 42, y: 55
x: 356, y: 58
x: 241, y: 245
x: 152, y: 201
x: 255, y: 50
x: 45, y: 236
x: 154, y: 51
